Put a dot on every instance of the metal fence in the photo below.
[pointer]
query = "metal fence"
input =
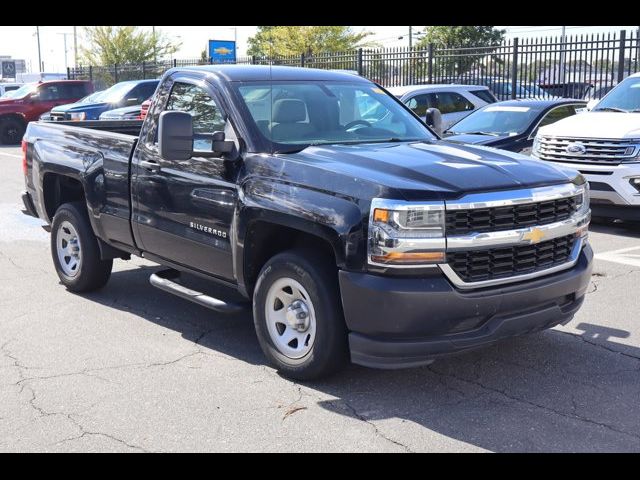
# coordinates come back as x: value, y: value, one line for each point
x: 580, y: 66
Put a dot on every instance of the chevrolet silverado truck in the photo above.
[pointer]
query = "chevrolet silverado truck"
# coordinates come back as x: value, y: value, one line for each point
x: 604, y: 145
x: 353, y: 230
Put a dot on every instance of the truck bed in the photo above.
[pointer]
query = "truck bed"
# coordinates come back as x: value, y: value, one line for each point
x: 95, y: 153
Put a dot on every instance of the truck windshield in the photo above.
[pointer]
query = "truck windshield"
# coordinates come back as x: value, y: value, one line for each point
x: 295, y: 114
x: 625, y: 97
x: 24, y: 90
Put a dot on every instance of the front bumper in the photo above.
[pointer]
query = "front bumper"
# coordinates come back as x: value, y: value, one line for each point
x: 406, y: 322
x: 609, y: 185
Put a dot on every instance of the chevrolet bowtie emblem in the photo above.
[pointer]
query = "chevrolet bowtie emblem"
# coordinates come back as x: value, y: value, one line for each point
x: 534, y: 235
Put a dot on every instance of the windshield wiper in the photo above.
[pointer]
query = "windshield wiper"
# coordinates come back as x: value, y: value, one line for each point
x: 610, y: 109
x: 492, y: 134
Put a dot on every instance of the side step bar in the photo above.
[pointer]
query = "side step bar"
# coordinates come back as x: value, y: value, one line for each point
x: 165, y: 280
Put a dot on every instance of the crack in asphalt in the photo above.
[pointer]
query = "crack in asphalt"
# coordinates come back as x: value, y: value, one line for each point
x: 596, y: 344
x: 514, y: 398
x: 376, y: 430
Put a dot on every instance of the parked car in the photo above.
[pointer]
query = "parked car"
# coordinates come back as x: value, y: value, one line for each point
x: 124, y: 113
x: 8, y: 87
x: 123, y: 94
x: 88, y: 99
x: 567, y: 89
x: 32, y: 100
x: 144, y: 109
x: 373, y: 241
x: 511, y: 125
x: 603, y: 144
x: 454, y: 102
x: 502, y: 88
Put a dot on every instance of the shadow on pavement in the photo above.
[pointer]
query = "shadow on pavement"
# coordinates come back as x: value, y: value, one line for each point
x: 552, y: 391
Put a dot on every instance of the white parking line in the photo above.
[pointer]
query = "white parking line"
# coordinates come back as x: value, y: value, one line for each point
x: 10, y: 155
x: 623, y: 256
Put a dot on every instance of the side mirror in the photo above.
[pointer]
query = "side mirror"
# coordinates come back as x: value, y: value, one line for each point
x: 175, y: 135
x: 592, y: 104
x: 433, y: 118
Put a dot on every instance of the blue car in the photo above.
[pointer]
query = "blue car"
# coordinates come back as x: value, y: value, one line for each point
x: 123, y: 94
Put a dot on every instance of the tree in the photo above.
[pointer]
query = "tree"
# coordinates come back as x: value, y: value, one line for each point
x: 296, y: 40
x: 456, y: 61
x: 107, y: 45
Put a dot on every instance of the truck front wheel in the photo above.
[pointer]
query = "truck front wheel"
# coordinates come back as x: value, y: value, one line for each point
x: 75, y: 250
x: 298, y: 316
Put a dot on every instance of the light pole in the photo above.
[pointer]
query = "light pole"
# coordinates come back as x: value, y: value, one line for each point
x: 75, y: 47
x: 64, y: 35
x: 562, y: 50
x: 39, y: 54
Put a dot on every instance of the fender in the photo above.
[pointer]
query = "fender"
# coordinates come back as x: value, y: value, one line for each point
x: 337, y: 220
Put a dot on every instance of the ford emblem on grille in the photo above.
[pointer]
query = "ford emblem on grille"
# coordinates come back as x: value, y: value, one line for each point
x: 576, y: 148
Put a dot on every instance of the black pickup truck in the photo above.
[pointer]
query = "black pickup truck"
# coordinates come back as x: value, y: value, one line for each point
x: 352, y: 228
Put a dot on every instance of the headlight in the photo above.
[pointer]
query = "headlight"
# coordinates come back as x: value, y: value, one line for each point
x: 535, y: 148
x: 406, y: 234
x: 77, y: 116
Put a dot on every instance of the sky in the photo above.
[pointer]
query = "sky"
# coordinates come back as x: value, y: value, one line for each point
x: 21, y: 42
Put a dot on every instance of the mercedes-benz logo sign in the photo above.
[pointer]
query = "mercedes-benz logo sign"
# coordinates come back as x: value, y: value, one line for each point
x: 576, y: 148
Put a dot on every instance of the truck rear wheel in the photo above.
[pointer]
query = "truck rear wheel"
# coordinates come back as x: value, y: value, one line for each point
x: 298, y: 316
x: 75, y: 251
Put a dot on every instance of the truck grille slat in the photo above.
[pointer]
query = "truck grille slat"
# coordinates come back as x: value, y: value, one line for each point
x: 475, y: 266
x: 460, y: 222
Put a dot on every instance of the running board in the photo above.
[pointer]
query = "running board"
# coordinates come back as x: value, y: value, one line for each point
x: 164, y: 280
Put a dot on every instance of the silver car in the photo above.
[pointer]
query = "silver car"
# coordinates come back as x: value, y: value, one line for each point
x: 454, y: 102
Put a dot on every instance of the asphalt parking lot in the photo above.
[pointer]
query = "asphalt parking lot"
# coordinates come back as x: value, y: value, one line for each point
x: 131, y: 368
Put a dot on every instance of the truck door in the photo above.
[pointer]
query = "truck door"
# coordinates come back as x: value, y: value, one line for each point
x: 183, y: 209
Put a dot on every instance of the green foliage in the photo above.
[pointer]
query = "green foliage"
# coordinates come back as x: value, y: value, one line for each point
x: 462, y: 36
x: 296, y: 40
x: 106, y: 45
x: 469, y: 37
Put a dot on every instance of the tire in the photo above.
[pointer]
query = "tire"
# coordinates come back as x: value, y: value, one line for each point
x: 326, y: 348
x: 11, y: 131
x: 71, y: 234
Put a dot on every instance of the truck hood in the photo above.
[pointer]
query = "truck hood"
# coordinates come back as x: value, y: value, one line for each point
x: 422, y: 170
x: 610, y: 125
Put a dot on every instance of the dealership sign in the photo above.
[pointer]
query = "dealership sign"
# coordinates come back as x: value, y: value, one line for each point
x: 222, y: 51
x: 8, y: 69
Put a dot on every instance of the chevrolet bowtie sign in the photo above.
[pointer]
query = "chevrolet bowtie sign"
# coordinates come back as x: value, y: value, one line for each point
x: 8, y: 69
x: 534, y: 235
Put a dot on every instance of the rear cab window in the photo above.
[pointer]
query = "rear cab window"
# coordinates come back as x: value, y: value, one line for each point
x: 485, y: 95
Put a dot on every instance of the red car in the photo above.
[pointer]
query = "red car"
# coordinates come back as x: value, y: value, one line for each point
x: 32, y: 100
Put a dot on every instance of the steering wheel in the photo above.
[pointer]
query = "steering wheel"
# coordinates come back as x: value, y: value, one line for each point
x: 350, y: 125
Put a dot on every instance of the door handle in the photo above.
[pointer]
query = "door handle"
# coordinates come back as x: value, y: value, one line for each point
x: 150, y: 165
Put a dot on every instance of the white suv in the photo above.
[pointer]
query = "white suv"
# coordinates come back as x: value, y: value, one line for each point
x: 604, y: 145
x: 453, y: 101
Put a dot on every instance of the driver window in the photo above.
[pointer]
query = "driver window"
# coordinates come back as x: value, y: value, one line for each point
x: 207, y: 116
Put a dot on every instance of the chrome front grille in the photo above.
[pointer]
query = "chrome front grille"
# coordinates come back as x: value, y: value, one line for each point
x: 507, y: 218
x: 57, y: 117
x: 583, y: 150
x: 514, y: 235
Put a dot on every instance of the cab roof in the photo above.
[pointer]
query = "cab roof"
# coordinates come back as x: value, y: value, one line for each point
x: 250, y: 73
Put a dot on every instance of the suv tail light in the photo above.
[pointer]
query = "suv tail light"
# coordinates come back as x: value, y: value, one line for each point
x: 24, y: 157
